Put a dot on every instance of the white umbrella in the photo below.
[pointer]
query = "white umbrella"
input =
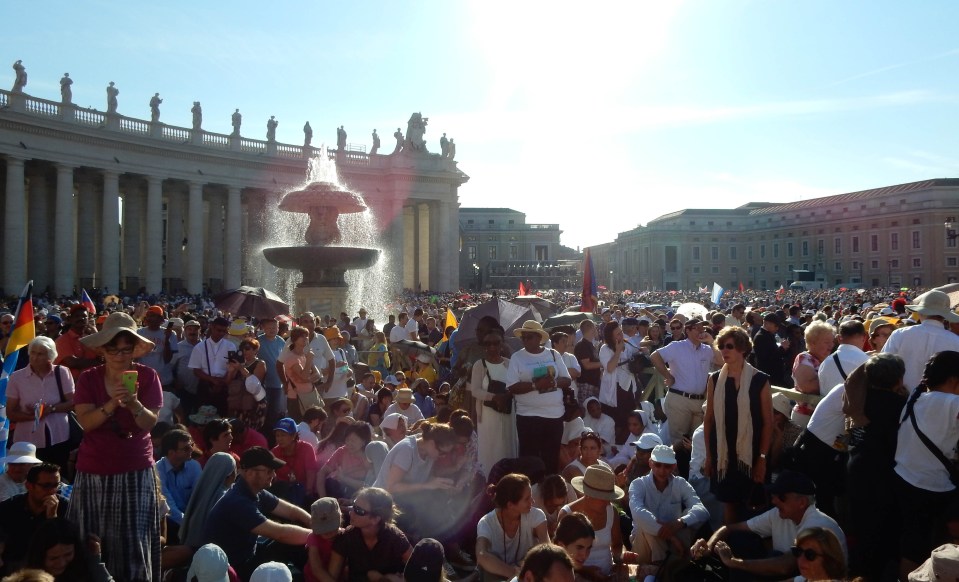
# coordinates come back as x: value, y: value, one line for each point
x: 691, y: 310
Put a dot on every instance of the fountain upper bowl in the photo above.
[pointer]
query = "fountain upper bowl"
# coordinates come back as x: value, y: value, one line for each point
x: 322, y: 195
x: 309, y: 258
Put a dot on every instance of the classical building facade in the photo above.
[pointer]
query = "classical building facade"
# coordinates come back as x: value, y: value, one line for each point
x: 896, y: 235
x: 499, y: 249
x: 197, y: 207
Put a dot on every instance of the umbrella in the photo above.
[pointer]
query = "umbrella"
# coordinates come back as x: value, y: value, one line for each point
x: 952, y: 290
x: 111, y: 299
x: 509, y: 315
x: 570, y: 318
x: 542, y: 308
x: 413, y: 346
x: 692, y: 310
x: 251, y: 301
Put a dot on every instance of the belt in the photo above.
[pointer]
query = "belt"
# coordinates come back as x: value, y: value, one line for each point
x: 688, y: 395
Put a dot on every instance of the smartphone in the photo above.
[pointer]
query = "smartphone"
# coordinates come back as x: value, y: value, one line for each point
x: 129, y: 379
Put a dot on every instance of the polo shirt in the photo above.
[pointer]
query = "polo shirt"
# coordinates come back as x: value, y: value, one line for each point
x: 232, y: 519
x: 19, y: 524
x: 269, y: 353
x: 178, y: 485
x: 688, y: 364
x: 916, y: 344
x: 385, y: 557
x: 783, y: 531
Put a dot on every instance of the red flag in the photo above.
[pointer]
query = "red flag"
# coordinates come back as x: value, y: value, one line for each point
x: 87, y: 302
x: 741, y: 289
x: 588, y: 299
x: 522, y: 288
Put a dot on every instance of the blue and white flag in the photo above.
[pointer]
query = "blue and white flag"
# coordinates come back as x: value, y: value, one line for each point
x: 717, y: 293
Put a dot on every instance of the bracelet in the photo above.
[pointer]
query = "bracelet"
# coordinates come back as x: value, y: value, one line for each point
x: 103, y: 409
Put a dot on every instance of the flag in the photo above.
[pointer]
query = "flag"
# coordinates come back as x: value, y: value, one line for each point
x: 522, y: 288
x: 741, y: 288
x: 588, y: 299
x: 87, y: 302
x: 450, y: 322
x: 717, y: 293
x: 22, y: 334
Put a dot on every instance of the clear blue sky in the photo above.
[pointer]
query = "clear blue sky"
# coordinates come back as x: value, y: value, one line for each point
x: 596, y: 116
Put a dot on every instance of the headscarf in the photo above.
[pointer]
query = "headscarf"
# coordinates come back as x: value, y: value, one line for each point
x: 208, y: 490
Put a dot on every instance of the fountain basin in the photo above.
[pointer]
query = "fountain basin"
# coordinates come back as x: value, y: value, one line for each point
x: 322, y: 266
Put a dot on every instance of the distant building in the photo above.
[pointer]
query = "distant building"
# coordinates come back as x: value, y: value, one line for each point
x: 499, y: 249
x: 896, y: 235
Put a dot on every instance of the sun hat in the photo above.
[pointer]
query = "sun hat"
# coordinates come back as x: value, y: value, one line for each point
x: 22, y: 452
x: 573, y: 429
x: 942, y: 564
x: 271, y: 572
x: 647, y: 441
x: 392, y: 420
x: 878, y: 322
x: 259, y: 457
x: 934, y: 303
x: 331, y: 333
x: 237, y: 327
x: 115, y: 323
x: 426, y: 562
x: 210, y: 564
x: 663, y: 454
x: 598, y: 483
x: 404, y: 396
x: 532, y: 326
x: 325, y: 515
x: 204, y: 415
x: 781, y: 404
x: 287, y: 425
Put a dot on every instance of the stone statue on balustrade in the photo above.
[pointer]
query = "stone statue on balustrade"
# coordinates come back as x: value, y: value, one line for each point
x: 66, y: 92
x: 20, y: 81
x: 237, y: 120
x: 340, y: 138
x: 271, y: 128
x: 307, y: 135
x: 155, y: 108
x: 444, y: 146
x: 197, y: 112
x: 452, y: 150
x: 415, y: 130
x: 376, y: 143
x: 112, y: 93
x: 399, y: 141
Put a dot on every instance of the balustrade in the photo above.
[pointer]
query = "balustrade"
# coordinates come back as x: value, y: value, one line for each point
x: 41, y: 107
x: 90, y: 117
x: 131, y: 125
x: 173, y: 133
x: 289, y: 151
x: 252, y: 145
x: 217, y: 140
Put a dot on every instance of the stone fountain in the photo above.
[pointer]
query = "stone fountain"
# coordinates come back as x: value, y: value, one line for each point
x: 323, y: 264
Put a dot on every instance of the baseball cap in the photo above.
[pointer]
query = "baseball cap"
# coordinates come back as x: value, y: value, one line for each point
x: 271, y: 572
x: 426, y: 562
x: 663, y: 454
x: 693, y: 322
x: 210, y: 564
x: 391, y: 421
x: 258, y: 456
x: 325, y: 515
x: 792, y: 482
x: 287, y: 425
x: 156, y: 310
x: 391, y: 379
x: 781, y: 404
x: 647, y: 441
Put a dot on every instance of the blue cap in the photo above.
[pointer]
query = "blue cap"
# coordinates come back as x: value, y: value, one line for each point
x: 287, y: 425
x: 54, y: 319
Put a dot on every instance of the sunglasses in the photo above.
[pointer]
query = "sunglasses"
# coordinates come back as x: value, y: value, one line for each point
x: 48, y: 486
x: 728, y: 347
x: 359, y: 510
x: 807, y: 553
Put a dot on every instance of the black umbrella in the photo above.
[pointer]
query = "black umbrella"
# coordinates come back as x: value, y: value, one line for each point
x: 251, y: 301
x: 570, y: 318
x: 413, y: 346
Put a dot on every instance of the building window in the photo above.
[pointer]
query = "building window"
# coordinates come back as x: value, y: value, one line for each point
x: 855, y: 244
x: 874, y: 243
x: 714, y: 253
x: 775, y: 268
x: 893, y: 241
x: 470, y: 221
x: 714, y: 270
x: 513, y: 252
x: 695, y: 270
x: 855, y: 265
x: 749, y: 252
x: 952, y: 262
x: 837, y: 247
x: 805, y: 248
x: 916, y: 242
x: 733, y: 270
x: 762, y: 251
x: 492, y: 253
x: 894, y: 264
x: 762, y: 268
x: 838, y: 266
x: 471, y: 253
x: 695, y: 253
x: 917, y: 262
x: 542, y: 252
x: 491, y: 221
x: 789, y: 250
x: 775, y: 250
x: 733, y: 254
x: 874, y: 264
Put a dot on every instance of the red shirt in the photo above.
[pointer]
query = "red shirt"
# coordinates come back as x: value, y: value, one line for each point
x: 251, y: 438
x: 68, y: 345
x: 301, y: 462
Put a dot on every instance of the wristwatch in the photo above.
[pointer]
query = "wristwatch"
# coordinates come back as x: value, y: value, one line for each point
x: 762, y: 455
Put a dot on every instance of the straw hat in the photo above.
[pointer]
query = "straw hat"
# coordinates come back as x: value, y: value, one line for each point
x: 404, y: 396
x: 934, y: 303
x: 531, y: 326
x: 115, y: 323
x: 598, y: 483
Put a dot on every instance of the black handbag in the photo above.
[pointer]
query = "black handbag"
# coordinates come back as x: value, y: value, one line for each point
x: 502, y: 401
x: 76, y: 431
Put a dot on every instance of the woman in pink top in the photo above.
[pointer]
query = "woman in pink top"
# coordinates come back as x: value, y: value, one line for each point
x: 345, y: 473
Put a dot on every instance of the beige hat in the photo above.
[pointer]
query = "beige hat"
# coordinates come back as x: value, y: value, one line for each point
x: 118, y: 322
x: 598, y: 483
x: 404, y: 396
x: 881, y: 322
x: 943, y: 564
x: 532, y: 326
x: 782, y: 404
x: 934, y: 303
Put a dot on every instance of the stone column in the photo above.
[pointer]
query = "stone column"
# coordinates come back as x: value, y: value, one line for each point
x: 214, y: 242
x: 423, y: 246
x: 231, y: 276
x: 174, y: 239
x: 394, y: 249
x: 446, y: 246
x: 452, y: 219
x: 39, y: 235
x: 194, y: 277
x: 154, y: 235
x: 132, y: 206
x: 14, y: 228
x: 65, y: 254
x: 408, y: 247
x: 86, y: 229
x: 110, y: 237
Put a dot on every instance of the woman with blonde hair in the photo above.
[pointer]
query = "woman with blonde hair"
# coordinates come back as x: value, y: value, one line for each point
x: 819, y: 555
x: 820, y: 341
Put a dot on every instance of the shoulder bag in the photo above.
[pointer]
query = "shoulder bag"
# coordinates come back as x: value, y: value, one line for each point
x: 502, y: 401
x: 76, y: 431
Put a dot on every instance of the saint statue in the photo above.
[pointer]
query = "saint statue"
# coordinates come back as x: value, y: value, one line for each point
x: 415, y: 130
x: 112, y: 93
x: 341, y: 138
x: 155, y: 108
x: 271, y: 128
x: 66, y: 93
x: 444, y: 146
x: 307, y: 135
x: 399, y: 140
x: 376, y: 143
x: 197, y: 115
x: 20, y: 81
x: 452, y: 150
x: 237, y: 120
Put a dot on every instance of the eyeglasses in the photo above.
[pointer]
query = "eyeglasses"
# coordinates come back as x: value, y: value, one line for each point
x: 359, y: 510
x: 807, y: 553
x: 675, y: 327
x: 118, y: 351
x: 48, y: 486
x: 728, y: 347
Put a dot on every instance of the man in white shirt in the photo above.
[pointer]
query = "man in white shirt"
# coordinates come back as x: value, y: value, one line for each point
x: 185, y: 381
x: 208, y: 362
x: 740, y: 545
x: 852, y: 336
x: 915, y: 344
x: 666, y: 510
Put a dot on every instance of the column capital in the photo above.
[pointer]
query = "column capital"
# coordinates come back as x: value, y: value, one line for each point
x: 151, y: 179
x: 15, y: 159
x: 62, y: 167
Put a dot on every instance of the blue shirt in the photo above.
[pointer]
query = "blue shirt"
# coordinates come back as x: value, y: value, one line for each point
x: 178, y: 485
x: 269, y: 352
x: 651, y: 507
x: 232, y: 520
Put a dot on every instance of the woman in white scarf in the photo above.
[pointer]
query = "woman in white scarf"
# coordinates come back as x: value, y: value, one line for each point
x: 737, y: 425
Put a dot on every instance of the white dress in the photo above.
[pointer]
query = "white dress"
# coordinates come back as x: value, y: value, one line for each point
x: 495, y: 431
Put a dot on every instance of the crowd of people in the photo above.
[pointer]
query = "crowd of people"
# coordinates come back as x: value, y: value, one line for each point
x: 778, y: 435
